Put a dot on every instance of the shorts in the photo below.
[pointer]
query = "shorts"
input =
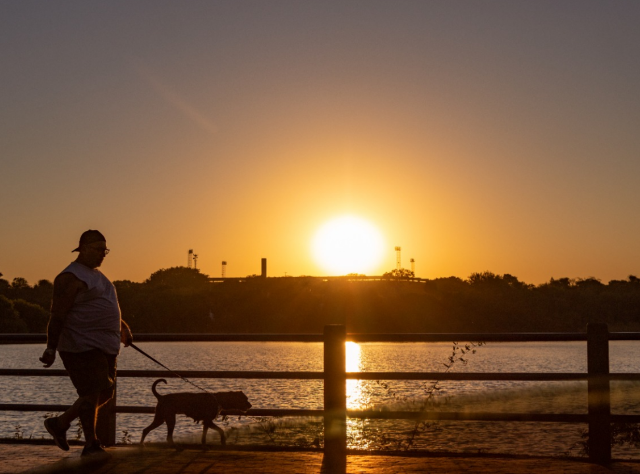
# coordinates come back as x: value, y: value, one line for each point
x: 91, y: 371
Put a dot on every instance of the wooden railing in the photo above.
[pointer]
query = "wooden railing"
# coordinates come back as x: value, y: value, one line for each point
x: 334, y: 375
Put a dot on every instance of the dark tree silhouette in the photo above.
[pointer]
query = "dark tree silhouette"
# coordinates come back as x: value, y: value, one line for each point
x: 398, y: 274
x: 181, y: 299
x: 34, y: 315
x: 10, y: 321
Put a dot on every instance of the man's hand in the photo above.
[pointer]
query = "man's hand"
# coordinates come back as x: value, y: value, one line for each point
x: 48, y: 357
x: 125, y: 335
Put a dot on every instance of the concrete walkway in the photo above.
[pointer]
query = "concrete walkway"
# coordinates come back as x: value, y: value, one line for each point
x: 47, y: 459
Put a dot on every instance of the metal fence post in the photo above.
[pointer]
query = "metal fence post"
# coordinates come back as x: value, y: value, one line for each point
x: 335, y: 398
x: 599, y: 393
x: 106, y: 424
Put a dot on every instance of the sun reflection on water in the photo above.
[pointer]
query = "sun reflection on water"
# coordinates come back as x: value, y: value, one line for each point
x: 353, y: 364
x: 358, y: 396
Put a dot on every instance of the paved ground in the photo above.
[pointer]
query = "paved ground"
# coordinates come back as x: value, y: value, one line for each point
x: 47, y: 459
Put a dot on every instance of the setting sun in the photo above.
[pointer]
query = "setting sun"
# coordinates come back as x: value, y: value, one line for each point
x: 348, y: 244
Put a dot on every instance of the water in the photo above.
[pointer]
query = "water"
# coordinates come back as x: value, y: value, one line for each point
x: 491, y: 396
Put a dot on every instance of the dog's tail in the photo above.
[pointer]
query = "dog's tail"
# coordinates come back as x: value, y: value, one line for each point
x: 153, y: 387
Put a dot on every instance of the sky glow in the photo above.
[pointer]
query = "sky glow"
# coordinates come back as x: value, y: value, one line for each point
x: 497, y: 136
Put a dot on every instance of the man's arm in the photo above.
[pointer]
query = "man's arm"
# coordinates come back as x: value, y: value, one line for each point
x: 65, y: 288
x: 125, y: 334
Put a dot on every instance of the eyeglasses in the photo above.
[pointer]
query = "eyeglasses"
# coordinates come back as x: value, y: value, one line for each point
x: 101, y: 250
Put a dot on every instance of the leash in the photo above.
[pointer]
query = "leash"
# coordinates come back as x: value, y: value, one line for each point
x: 167, y: 368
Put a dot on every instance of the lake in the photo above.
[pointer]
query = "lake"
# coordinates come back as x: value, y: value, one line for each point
x: 492, y: 396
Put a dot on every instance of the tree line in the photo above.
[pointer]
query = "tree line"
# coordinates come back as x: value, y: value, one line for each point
x: 182, y: 300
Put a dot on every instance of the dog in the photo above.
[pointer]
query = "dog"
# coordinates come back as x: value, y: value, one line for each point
x: 203, y: 407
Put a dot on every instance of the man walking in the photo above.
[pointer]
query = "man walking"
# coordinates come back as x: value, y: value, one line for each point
x: 86, y: 329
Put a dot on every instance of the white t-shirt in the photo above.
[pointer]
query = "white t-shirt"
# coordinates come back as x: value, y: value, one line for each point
x: 94, y: 319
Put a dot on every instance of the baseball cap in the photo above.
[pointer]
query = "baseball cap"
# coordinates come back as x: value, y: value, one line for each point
x: 89, y: 237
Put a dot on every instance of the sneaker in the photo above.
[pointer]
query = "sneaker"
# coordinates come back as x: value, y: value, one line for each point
x: 59, y: 434
x: 94, y: 449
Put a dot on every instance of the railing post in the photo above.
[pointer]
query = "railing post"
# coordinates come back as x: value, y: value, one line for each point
x: 599, y: 393
x: 106, y: 424
x: 335, y: 398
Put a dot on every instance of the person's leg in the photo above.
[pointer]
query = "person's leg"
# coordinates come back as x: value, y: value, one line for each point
x: 58, y: 431
x: 88, y: 411
x: 83, y: 407
x: 58, y: 426
x: 104, y: 397
x: 71, y: 414
x: 107, y: 394
x: 93, y: 375
x: 101, y: 398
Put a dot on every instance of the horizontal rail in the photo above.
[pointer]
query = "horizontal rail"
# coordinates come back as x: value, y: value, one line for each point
x: 173, y: 337
x: 459, y: 376
x: 483, y: 416
x: 256, y: 412
x: 192, y: 374
x: 471, y: 416
x: 488, y: 337
x: 476, y: 376
x: 354, y: 337
x: 448, y: 337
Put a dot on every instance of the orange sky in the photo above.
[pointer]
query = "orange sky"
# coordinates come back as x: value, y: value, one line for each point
x: 496, y: 136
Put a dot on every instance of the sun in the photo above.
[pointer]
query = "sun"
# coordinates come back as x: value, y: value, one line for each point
x: 348, y: 244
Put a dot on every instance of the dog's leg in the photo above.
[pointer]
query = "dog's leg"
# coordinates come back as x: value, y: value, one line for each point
x: 205, y: 428
x: 171, y: 423
x: 157, y: 421
x: 211, y: 424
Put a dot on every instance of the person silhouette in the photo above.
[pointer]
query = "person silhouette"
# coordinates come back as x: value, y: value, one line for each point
x: 86, y: 328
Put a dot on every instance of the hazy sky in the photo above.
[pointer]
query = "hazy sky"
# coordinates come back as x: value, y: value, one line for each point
x: 477, y: 135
